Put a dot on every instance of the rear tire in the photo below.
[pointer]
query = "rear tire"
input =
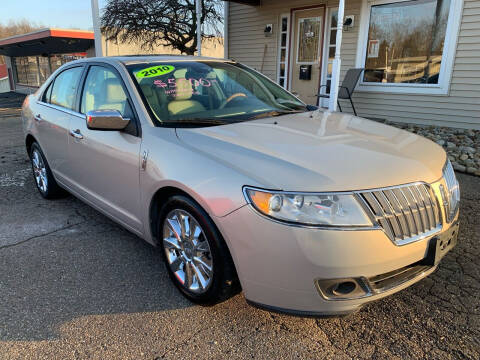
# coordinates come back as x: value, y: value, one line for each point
x: 42, y: 174
x: 195, y: 255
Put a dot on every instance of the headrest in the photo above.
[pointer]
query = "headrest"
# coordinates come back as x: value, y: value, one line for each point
x: 184, y: 90
x: 180, y: 74
x: 114, y: 91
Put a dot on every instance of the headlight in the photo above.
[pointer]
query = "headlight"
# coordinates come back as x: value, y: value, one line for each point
x: 309, y: 209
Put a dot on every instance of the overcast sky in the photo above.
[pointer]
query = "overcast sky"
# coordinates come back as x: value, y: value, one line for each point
x: 50, y: 13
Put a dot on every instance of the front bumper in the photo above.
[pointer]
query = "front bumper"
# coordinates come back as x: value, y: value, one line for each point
x: 281, y: 267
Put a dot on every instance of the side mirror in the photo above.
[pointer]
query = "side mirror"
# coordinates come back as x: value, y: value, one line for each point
x: 312, y: 107
x: 106, y: 120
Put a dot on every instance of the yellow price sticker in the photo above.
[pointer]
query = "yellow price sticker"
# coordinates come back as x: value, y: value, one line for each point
x: 155, y: 71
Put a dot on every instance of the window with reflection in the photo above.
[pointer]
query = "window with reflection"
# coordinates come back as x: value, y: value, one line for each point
x: 65, y: 87
x: 309, y: 40
x: 283, y: 52
x: 35, y: 70
x: 406, y: 41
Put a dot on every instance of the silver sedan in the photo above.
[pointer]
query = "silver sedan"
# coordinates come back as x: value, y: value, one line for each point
x: 241, y: 184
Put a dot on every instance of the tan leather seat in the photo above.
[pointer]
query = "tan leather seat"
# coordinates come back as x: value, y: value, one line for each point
x: 156, y: 99
x: 182, y: 102
x: 114, y: 96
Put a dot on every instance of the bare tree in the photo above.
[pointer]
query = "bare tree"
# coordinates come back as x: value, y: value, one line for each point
x: 16, y: 28
x: 150, y: 23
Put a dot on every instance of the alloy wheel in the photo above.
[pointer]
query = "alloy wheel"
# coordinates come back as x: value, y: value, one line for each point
x: 187, y: 251
x: 39, y: 171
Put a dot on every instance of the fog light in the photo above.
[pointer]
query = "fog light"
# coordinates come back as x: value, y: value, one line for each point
x: 344, y: 288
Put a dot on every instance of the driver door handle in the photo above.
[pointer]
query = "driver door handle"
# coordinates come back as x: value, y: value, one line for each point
x: 76, y: 134
x: 38, y: 118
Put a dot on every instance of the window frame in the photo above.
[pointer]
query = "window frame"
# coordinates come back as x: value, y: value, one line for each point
x: 112, y: 68
x: 51, y: 83
x: 448, y: 56
x: 286, y: 47
x: 319, y: 47
x: 48, y: 87
x: 326, y: 48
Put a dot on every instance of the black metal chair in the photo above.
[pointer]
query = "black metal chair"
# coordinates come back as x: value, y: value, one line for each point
x: 345, y: 91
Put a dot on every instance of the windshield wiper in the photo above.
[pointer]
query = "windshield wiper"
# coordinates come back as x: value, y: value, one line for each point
x: 194, y: 121
x: 275, y: 113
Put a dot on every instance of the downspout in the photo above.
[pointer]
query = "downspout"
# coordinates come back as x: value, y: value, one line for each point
x: 332, y: 103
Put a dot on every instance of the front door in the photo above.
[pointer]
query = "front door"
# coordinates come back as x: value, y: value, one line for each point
x: 104, y: 165
x: 306, y: 53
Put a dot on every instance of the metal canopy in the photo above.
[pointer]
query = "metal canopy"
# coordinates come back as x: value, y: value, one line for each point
x: 47, y: 41
x: 246, y: 2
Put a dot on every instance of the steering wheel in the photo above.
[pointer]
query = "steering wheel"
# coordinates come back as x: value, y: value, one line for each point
x: 230, y: 98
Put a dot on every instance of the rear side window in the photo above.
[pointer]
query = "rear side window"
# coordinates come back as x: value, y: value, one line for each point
x: 103, y: 90
x: 64, y: 88
x: 48, y: 93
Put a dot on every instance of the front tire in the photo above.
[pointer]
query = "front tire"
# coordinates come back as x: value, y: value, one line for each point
x: 195, y: 254
x: 46, y: 184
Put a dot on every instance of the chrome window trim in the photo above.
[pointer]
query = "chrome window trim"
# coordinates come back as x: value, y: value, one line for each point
x: 62, y: 109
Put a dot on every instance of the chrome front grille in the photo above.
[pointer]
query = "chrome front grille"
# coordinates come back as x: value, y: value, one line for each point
x: 406, y: 212
x: 450, y: 195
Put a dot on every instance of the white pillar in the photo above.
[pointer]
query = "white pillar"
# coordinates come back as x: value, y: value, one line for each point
x: 96, y: 29
x: 226, y: 10
x: 332, y: 103
x: 198, y: 8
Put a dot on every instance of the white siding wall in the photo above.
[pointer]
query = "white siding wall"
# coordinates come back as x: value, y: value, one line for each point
x: 247, y: 40
x: 460, y: 108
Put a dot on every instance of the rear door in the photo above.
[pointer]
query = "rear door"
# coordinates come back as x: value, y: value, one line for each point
x: 52, y: 115
x: 104, y: 165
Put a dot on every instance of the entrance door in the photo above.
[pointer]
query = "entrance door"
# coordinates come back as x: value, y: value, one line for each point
x: 306, y: 53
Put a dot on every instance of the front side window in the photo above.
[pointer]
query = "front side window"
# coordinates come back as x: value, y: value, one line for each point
x: 406, y: 42
x: 65, y: 87
x: 103, y: 90
x: 207, y: 91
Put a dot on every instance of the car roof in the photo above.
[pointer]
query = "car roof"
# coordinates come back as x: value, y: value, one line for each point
x: 139, y: 59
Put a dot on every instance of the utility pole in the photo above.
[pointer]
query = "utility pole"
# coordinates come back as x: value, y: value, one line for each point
x: 198, y: 9
x: 96, y: 29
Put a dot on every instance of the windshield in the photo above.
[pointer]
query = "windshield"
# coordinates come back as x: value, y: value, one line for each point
x: 209, y: 93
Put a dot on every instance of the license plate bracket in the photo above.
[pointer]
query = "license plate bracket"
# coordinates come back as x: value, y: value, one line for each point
x: 440, y: 245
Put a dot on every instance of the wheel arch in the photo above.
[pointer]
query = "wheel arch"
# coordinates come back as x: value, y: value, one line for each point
x: 29, y: 140
x: 159, y: 198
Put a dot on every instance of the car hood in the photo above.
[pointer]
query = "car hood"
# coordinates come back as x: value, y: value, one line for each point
x: 319, y: 151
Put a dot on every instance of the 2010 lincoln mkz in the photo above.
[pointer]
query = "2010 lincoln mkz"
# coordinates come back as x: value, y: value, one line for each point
x: 240, y: 184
